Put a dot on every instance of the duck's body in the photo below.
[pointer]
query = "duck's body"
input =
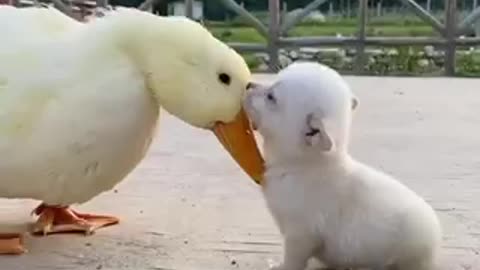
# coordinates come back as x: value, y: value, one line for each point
x: 21, y: 26
x: 65, y: 138
x: 69, y: 129
x: 78, y: 110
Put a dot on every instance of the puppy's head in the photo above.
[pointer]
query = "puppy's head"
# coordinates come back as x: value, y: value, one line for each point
x: 308, y: 108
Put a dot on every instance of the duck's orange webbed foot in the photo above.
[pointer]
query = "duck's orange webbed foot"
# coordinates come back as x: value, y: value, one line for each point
x: 11, y: 244
x: 54, y: 219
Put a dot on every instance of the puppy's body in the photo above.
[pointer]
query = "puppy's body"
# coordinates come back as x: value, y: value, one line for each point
x: 326, y: 204
x: 349, y: 215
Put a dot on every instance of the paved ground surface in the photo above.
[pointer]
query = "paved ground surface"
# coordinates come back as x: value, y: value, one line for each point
x: 187, y: 206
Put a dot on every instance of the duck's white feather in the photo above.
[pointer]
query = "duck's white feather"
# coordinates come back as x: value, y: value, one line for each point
x: 24, y: 25
x: 70, y: 127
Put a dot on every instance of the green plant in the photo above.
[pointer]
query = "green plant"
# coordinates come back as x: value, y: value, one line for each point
x: 252, y: 61
x: 468, y: 64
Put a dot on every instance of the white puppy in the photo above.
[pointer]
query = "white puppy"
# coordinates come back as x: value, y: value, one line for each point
x: 327, y: 205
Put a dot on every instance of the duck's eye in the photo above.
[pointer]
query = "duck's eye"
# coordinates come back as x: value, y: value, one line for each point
x: 271, y: 97
x: 224, y: 78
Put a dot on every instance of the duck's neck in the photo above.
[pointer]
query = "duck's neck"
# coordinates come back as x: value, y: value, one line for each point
x: 129, y: 32
x: 137, y: 36
x: 160, y: 50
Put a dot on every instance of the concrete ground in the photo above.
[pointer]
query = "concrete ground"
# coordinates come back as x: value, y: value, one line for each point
x: 188, y: 206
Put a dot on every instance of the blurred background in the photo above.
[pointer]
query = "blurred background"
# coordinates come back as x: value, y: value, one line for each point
x: 398, y: 40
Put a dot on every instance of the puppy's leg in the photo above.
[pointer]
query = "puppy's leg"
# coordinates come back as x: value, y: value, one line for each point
x: 298, y: 249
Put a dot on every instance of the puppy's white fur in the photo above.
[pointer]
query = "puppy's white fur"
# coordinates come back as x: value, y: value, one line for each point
x: 327, y: 205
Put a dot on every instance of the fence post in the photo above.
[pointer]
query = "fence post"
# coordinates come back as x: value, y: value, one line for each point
x: 189, y: 8
x: 246, y: 16
x: 349, y: 9
x: 293, y: 20
x: 450, y: 35
x: 424, y: 15
x: 273, y: 30
x: 284, y: 12
x: 379, y: 8
x: 102, y: 3
x: 361, y: 35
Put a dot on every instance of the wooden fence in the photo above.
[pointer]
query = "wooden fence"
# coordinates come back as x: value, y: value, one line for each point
x: 276, y: 32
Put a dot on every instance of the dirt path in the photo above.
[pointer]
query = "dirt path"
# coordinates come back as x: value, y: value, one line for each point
x: 187, y: 206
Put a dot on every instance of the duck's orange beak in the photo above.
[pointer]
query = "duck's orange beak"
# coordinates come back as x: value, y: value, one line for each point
x: 237, y: 137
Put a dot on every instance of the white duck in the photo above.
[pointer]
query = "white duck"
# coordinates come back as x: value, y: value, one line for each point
x: 22, y: 25
x: 78, y: 110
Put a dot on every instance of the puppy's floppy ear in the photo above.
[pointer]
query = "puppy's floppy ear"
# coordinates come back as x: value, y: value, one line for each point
x: 354, y: 103
x: 316, y: 135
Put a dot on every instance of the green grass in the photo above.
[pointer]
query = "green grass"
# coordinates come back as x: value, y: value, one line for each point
x: 405, y: 19
x: 391, y: 26
x: 248, y: 34
x: 237, y: 34
x: 251, y: 60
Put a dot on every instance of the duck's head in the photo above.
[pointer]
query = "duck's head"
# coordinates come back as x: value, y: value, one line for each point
x: 200, y: 80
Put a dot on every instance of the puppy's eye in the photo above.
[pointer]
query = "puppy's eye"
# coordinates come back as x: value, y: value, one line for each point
x: 271, y: 97
x: 224, y: 78
x: 312, y: 132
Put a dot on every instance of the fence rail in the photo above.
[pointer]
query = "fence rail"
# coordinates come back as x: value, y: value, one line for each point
x: 276, y: 32
x: 449, y: 32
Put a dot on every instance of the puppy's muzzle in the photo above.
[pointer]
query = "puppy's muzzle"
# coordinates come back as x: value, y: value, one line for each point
x: 250, y: 108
